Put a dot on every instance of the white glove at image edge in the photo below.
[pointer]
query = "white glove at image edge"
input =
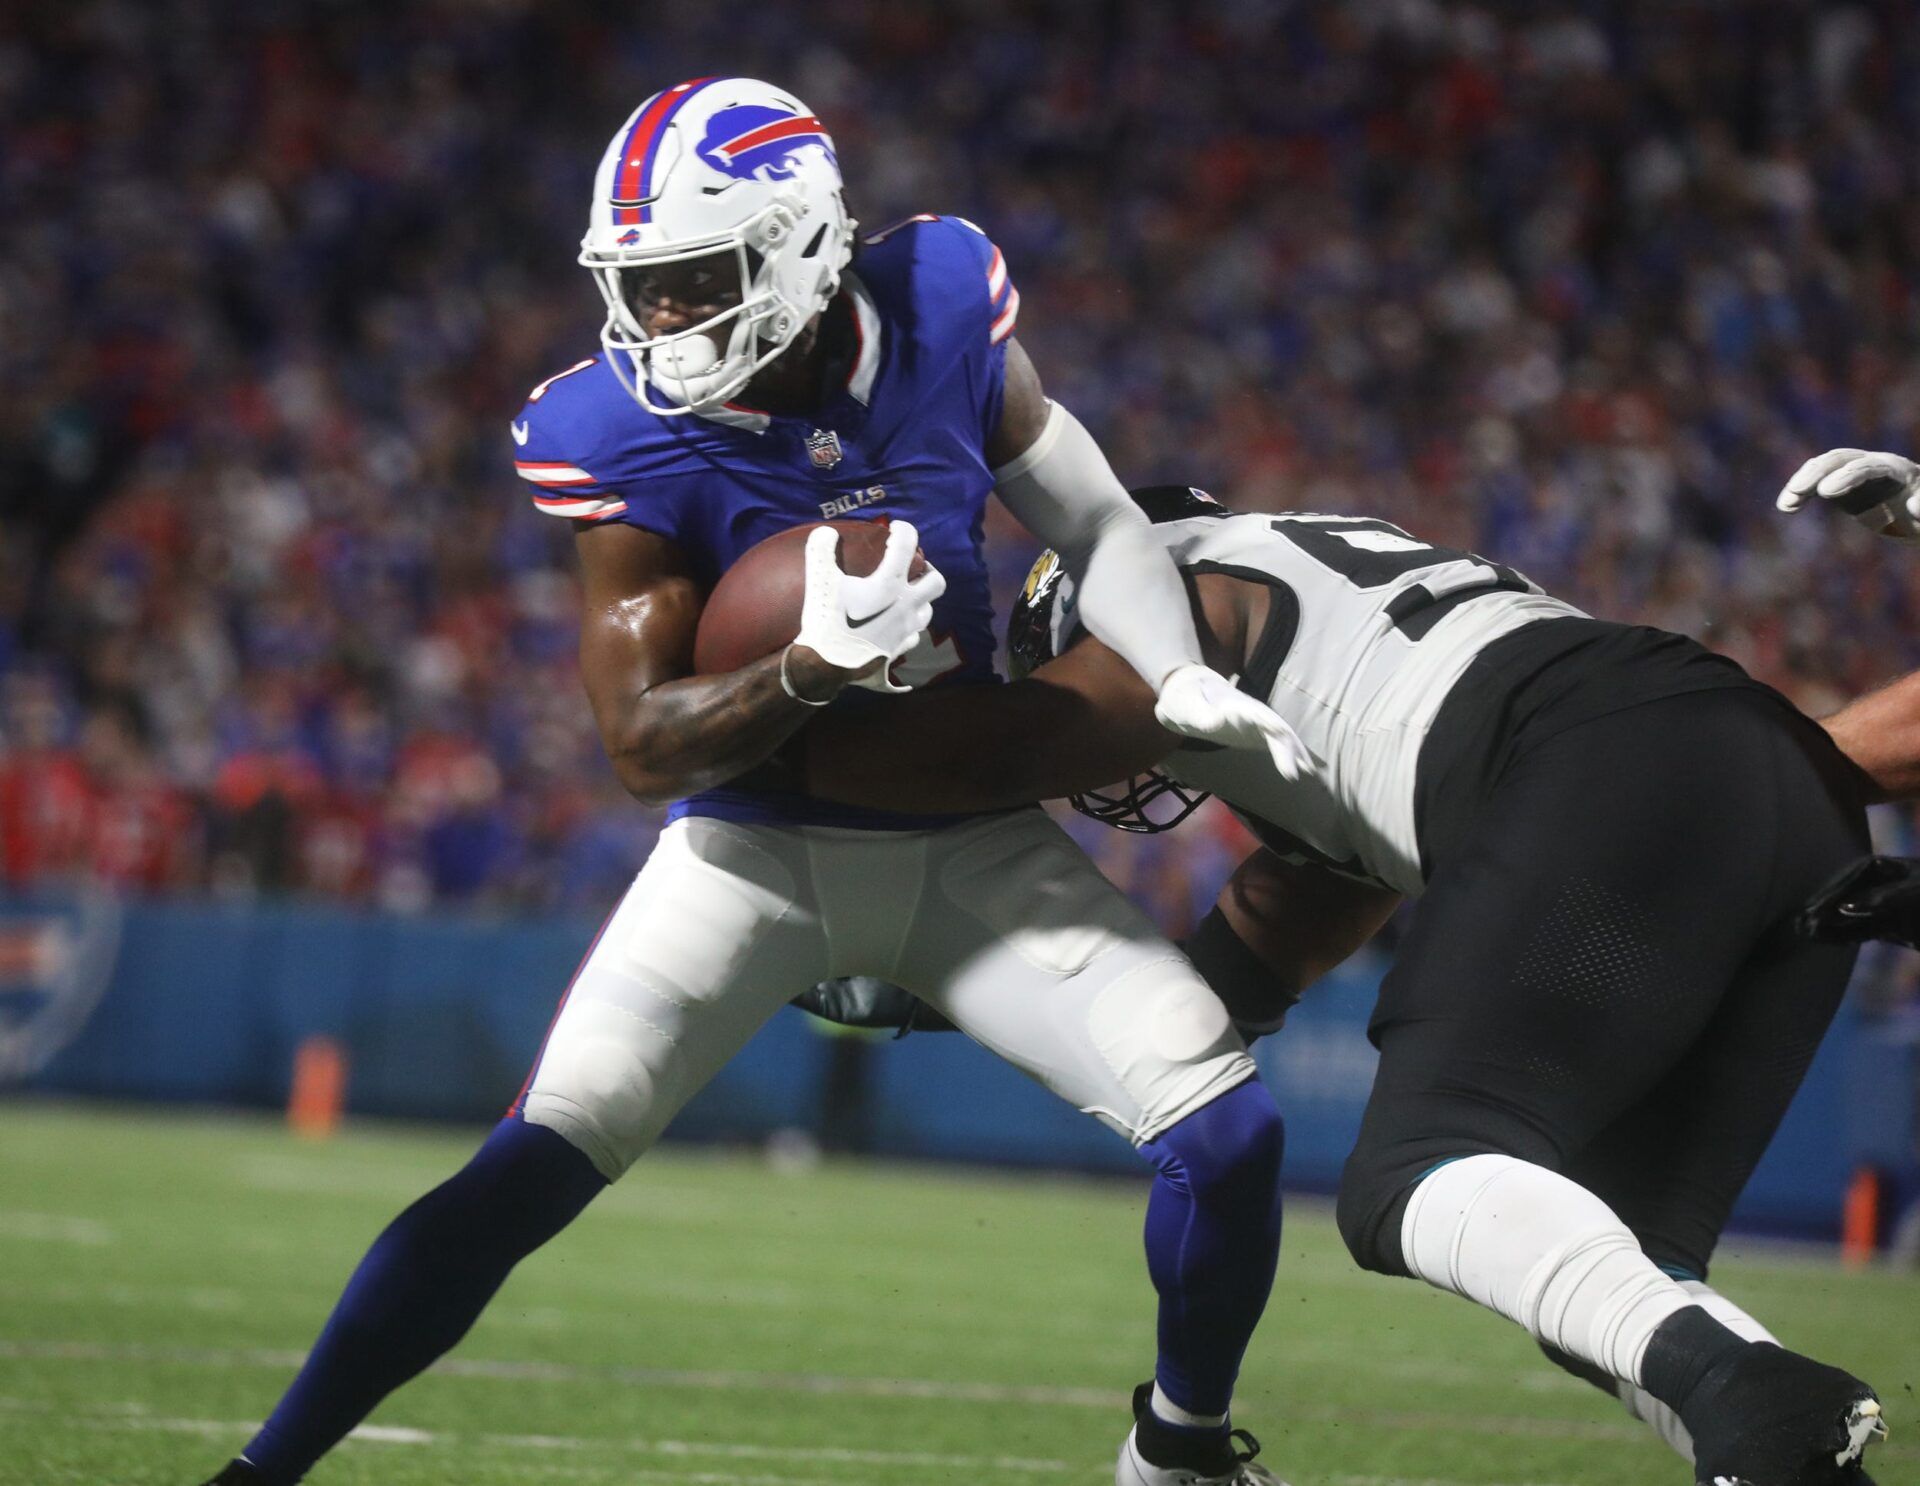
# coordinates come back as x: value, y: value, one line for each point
x: 1199, y: 702
x: 1880, y: 491
x: 858, y: 623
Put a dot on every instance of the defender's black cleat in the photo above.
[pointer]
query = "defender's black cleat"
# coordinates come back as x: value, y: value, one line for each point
x: 1769, y: 1417
x: 239, y: 1473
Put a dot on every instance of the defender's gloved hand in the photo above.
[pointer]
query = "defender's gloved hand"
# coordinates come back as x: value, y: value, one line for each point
x: 1201, y: 703
x: 1875, y: 898
x: 866, y: 624
x: 1880, y: 491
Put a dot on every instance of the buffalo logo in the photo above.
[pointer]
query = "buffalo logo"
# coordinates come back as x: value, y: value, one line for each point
x: 753, y: 142
x: 628, y: 238
x: 55, y: 963
x: 823, y: 448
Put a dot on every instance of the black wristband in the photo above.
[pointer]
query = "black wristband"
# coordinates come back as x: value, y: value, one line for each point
x: 1256, y: 996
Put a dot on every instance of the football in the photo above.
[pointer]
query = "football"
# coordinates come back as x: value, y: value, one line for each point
x: 755, y: 607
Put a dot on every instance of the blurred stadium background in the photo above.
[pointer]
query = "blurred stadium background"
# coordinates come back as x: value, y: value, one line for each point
x: 291, y: 744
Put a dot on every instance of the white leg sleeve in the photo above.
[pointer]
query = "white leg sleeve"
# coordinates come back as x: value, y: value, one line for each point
x: 1542, y: 1251
x: 1645, y: 1407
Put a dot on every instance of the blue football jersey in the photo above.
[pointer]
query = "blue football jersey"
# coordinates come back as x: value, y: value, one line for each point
x: 905, y: 437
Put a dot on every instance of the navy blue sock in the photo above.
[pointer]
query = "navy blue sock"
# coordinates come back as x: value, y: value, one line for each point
x: 1213, y: 1240
x: 423, y: 1284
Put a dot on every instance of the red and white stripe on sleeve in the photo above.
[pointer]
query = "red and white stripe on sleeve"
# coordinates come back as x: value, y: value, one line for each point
x: 559, y: 492
x: 1004, y: 298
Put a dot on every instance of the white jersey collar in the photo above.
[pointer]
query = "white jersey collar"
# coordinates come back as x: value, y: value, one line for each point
x: 866, y: 361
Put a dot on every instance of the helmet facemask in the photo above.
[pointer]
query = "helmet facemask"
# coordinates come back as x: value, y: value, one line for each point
x: 682, y: 369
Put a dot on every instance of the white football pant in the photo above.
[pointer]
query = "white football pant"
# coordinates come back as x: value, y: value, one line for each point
x: 1002, y: 923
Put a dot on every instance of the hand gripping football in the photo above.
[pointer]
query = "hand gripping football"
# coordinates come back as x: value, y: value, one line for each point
x: 754, y: 610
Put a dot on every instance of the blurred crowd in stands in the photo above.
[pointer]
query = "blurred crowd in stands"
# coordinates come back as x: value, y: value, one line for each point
x: 1575, y: 284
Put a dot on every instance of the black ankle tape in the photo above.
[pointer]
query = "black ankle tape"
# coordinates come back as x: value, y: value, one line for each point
x: 1172, y: 1447
x: 1685, y: 1348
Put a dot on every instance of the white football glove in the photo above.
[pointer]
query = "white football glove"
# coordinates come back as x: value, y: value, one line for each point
x: 1880, y: 491
x: 854, y: 622
x: 1201, y: 703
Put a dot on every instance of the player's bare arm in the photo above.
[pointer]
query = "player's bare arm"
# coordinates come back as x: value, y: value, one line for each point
x: 1880, y: 732
x: 1276, y: 928
x: 666, y: 731
x: 669, y: 732
x: 1078, y: 722
x: 1300, y: 921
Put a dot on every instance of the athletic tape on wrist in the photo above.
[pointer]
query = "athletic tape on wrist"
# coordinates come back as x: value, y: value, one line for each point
x: 786, y: 684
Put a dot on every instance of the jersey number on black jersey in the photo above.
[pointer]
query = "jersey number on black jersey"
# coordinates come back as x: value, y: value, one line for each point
x: 1372, y: 554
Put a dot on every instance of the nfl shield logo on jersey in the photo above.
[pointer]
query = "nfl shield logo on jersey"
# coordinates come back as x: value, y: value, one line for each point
x: 823, y: 448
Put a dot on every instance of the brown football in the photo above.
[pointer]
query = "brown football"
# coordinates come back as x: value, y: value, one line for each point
x: 754, y: 609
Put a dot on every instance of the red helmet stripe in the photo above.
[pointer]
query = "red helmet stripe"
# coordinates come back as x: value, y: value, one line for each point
x: 768, y: 133
x: 643, y: 141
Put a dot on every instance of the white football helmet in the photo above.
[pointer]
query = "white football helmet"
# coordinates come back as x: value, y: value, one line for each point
x: 713, y: 166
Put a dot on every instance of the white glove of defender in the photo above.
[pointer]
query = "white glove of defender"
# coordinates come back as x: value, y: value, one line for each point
x: 1880, y: 491
x: 1201, y: 703
x: 854, y: 622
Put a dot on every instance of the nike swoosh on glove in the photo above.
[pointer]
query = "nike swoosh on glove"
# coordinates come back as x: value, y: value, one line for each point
x: 1880, y: 491
x: 1201, y: 703
x: 855, y: 622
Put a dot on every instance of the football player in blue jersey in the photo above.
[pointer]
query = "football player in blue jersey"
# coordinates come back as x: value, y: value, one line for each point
x: 756, y: 376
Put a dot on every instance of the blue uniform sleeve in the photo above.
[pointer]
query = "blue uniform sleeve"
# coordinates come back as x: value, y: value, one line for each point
x: 554, y: 448
x: 962, y: 278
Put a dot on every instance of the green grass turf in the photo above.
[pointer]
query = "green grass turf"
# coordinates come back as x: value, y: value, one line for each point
x: 714, y: 1320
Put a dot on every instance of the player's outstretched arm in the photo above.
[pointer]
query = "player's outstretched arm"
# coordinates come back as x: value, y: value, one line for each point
x: 1880, y: 491
x: 670, y: 733
x: 1053, y: 477
x: 1078, y: 722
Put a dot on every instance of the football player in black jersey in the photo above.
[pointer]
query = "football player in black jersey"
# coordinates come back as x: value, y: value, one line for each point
x: 1602, y: 1008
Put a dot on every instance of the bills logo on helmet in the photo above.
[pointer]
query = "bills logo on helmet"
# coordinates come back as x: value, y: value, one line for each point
x: 754, y: 142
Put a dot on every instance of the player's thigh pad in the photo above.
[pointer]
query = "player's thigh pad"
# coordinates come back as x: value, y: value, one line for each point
x: 710, y: 941
x: 1034, y: 954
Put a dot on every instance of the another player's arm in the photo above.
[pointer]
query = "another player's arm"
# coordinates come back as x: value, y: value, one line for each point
x: 1304, y: 919
x: 1082, y: 720
x: 1880, y: 732
x: 1052, y: 476
x: 1075, y: 724
x: 670, y: 733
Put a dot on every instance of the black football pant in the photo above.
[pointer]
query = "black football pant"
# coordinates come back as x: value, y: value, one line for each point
x: 1603, y: 978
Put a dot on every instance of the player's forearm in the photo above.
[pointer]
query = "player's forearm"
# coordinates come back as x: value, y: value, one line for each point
x: 1301, y: 921
x: 969, y: 748
x: 1133, y: 599
x: 1880, y: 732
x: 952, y: 751
x: 1131, y: 595
x: 700, y: 731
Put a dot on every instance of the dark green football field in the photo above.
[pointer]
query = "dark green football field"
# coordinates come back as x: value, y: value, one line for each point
x: 714, y: 1320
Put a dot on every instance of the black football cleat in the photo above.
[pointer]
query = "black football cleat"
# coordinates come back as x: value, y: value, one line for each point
x: 239, y: 1473
x: 1769, y: 1417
